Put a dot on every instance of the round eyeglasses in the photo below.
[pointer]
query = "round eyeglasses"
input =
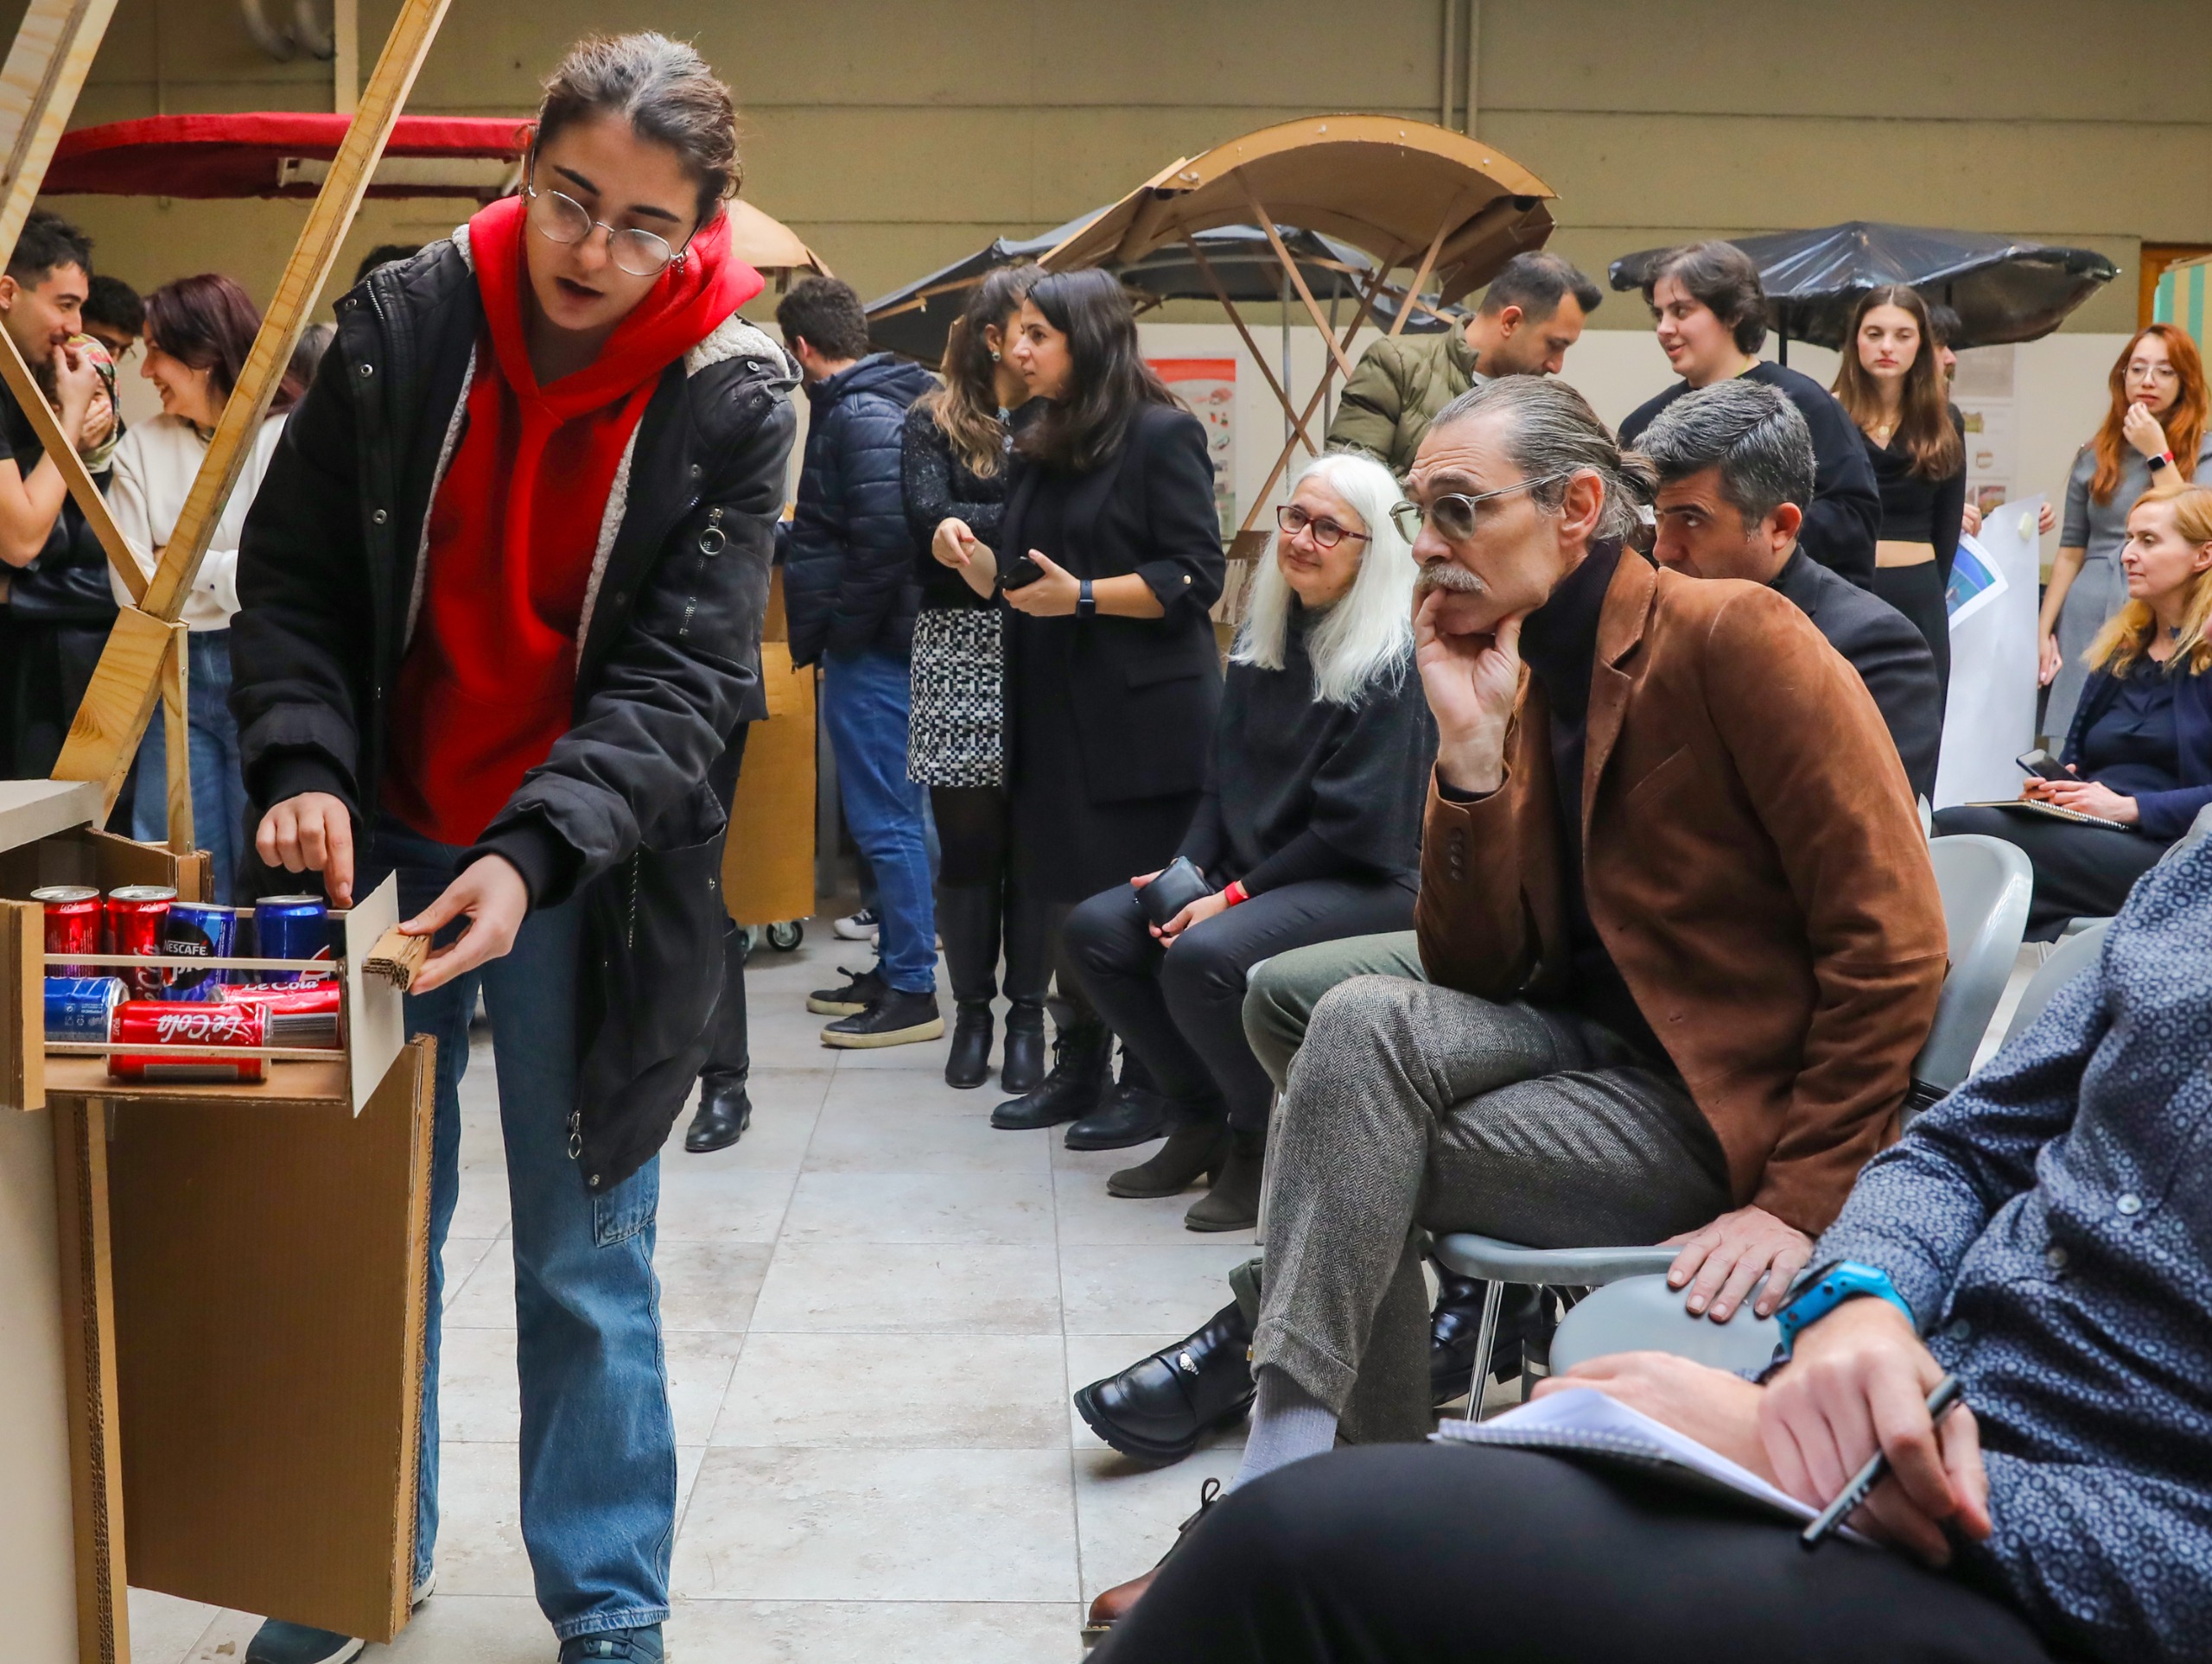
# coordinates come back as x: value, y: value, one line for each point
x: 1325, y: 533
x: 559, y: 217
x: 1453, y: 514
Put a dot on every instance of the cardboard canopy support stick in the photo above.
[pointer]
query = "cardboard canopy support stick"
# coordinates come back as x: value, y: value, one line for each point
x: 1221, y: 294
x: 39, y: 85
x: 1427, y: 265
x: 94, y: 749
x: 1267, y: 224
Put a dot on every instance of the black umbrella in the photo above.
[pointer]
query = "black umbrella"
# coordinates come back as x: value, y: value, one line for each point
x: 914, y: 321
x: 2002, y: 288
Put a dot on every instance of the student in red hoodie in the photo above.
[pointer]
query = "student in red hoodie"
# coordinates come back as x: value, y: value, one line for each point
x: 502, y: 594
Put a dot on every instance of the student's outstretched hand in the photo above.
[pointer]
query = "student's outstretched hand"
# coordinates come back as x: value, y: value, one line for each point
x: 1860, y: 1378
x: 492, y: 896
x: 311, y: 832
x: 1720, y: 1264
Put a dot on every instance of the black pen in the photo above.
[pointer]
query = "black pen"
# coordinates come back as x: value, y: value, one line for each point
x: 1945, y: 1395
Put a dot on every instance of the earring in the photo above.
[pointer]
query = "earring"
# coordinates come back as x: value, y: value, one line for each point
x: 994, y: 356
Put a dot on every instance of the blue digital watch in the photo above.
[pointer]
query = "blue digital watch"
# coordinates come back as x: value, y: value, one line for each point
x: 1828, y: 1288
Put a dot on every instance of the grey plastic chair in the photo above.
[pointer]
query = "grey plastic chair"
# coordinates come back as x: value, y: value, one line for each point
x: 1986, y: 885
x: 2075, y: 954
x: 1641, y: 1314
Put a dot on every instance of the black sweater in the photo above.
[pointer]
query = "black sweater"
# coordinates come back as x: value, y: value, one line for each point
x: 1915, y: 509
x: 940, y: 486
x: 1846, y: 506
x: 1300, y: 789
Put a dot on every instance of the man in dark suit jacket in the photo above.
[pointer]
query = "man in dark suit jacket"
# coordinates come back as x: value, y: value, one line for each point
x: 1735, y: 463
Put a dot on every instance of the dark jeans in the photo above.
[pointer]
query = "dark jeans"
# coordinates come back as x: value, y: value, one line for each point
x: 2082, y: 872
x: 218, y: 788
x: 1181, y: 1008
x: 1414, y: 1554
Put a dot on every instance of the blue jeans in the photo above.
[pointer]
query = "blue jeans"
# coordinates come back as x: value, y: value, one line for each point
x: 218, y: 787
x: 598, y: 1438
x: 864, y: 704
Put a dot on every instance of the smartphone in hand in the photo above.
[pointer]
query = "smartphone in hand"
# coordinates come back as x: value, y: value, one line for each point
x: 2041, y: 764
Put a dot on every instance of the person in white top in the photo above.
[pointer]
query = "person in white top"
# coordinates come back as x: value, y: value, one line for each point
x: 198, y: 331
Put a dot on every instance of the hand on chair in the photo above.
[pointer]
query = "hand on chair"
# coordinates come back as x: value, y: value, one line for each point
x: 1727, y: 1257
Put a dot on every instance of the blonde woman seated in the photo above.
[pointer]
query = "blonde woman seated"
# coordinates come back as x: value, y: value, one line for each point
x: 1309, y: 830
x: 2140, y: 748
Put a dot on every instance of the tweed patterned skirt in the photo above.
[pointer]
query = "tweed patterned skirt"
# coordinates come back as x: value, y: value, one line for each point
x: 954, y: 736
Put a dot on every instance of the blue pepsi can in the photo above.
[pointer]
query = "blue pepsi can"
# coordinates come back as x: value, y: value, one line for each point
x: 291, y: 927
x: 81, y: 1008
x: 193, y: 930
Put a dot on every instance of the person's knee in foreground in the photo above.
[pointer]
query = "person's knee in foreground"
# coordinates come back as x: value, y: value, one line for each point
x: 2043, y: 1237
x: 2140, y: 753
x: 1693, y: 1023
x: 1309, y: 829
x: 547, y: 778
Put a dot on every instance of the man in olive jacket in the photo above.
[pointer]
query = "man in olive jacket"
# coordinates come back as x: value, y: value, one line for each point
x: 1531, y: 315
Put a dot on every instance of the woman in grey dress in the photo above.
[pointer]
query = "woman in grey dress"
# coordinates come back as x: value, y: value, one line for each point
x: 2156, y: 427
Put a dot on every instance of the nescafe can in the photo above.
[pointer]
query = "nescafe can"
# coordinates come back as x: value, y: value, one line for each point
x: 195, y: 929
x: 81, y: 1008
x: 75, y: 923
x: 291, y: 927
x: 136, y: 914
x: 158, y: 1023
x: 298, y: 1013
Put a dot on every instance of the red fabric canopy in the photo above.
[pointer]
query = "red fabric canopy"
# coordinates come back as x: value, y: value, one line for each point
x: 246, y: 155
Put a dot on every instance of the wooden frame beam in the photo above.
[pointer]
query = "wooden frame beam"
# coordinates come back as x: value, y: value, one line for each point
x: 1312, y: 308
x: 1221, y: 294
x: 39, y: 84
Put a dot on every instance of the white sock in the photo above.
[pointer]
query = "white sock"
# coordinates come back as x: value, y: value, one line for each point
x: 1288, y: 1425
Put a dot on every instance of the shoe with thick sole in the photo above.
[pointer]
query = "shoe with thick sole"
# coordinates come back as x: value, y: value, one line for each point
x: 856, y: 927
x: 279, y: 1642
x: 1129, y: 1115
x: 861, y: 990
x: 1233, y: 1203
x: 896, y: 1019
x: 724, y: 1114
x: 1070, y: 1092
x: 1158, y: 1408
x: 615, y: 1647
x: 1193, y: 1149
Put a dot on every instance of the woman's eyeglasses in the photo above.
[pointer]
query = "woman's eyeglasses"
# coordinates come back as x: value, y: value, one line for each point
x: 2144, y: 370
x: 561, y: 218
x: 1453, y: 514
x: 1325, y: 533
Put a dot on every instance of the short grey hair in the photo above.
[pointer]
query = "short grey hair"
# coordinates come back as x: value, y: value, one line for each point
x: 1752, y: 433
x: 1551, y: 430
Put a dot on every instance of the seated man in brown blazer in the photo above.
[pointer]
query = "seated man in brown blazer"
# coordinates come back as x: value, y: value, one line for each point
x: 1681, y: 934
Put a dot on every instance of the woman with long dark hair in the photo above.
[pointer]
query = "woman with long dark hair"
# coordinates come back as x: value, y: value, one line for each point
x: 502, y: 592
x: 1892, y: 386
x: 2156, y: 428
x: 955, y: 463
x: 1110, y: 556
x: 198, y: 331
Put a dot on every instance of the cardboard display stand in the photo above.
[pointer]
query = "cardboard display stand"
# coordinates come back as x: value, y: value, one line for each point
x: 768, y: 863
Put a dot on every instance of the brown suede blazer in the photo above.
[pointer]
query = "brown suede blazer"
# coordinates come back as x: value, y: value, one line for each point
x: 1752, y: 859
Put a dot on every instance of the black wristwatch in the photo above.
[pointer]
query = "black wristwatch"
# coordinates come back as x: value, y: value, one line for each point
x: 1086, y: 604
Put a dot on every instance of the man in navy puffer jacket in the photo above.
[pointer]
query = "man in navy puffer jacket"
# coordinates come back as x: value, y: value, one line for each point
x: 850, y: 597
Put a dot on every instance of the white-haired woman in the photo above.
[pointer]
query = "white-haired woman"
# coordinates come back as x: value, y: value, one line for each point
x: 1309, y: 829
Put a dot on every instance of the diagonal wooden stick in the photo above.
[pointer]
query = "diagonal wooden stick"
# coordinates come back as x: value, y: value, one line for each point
x: 1221, y: 294
x: 39, y: 84
x: 1290, y: 266
x: 1321, y: 389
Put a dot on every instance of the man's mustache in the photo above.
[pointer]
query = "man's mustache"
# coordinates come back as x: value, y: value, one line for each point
x: 1449, y: 576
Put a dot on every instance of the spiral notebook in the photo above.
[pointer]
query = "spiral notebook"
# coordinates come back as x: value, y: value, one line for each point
x: 2052, y: 811
x: 1584, y: 1422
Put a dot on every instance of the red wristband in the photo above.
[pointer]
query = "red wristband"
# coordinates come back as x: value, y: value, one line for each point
x: 1236, y: 891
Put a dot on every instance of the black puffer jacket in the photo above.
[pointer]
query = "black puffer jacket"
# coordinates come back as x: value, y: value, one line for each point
x: 628, y: 811
x: 849, y: 584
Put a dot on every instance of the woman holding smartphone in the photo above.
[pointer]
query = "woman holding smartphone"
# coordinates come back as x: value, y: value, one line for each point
x: 1110, y: 558
x: 502, y: 595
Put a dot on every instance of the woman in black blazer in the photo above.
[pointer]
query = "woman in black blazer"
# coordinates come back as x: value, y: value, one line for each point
x: 1110, y: 558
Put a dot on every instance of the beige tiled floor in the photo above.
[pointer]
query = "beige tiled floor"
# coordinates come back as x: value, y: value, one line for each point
x: 876, y: 1308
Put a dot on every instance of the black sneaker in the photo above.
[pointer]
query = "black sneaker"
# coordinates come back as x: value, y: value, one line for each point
x: 279, y: 1642
x: 893, y: 1019
x: 616, y: 1645
x: 861, y: 990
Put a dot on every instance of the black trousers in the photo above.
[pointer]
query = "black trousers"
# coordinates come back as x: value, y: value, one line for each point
x: 2082, y: 872
x: 729, y: 1051
x: 982, y: 911
x: 1181, y: 1008
x: 1917, y: 592
x: 1417, y: 1555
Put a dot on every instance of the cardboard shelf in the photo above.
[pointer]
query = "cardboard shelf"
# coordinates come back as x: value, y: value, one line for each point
x: 319, y: 1084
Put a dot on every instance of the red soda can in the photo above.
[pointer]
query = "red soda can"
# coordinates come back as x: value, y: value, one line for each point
x: 73, y: 919
x: 136, y: 916
x: 299, y: 1013
x: 159, y: 1023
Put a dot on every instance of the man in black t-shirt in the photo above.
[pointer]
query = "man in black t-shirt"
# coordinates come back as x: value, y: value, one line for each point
x: 55, y: 605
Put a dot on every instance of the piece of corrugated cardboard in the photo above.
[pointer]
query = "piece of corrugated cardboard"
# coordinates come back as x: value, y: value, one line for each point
x: 768, y: 864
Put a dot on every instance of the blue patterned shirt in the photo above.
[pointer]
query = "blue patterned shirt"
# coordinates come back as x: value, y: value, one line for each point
x: 2050, y: 1223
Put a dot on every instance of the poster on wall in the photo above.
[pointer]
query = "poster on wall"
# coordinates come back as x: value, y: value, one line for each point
x: 1983, y: 394
x: 1208, y: 388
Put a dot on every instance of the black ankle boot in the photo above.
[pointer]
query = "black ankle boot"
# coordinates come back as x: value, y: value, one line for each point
x: 1156, y: 1409
x: 969, y: 1063
x: 1070, y: 1092
x: 1233, y: 1203
x: 1130, y: 1113
x: 1022, y: 1069
x: 1457, y: 1326
x: 1193, y: 1148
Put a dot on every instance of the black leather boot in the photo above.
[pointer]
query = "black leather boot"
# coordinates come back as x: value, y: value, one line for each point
x: 725, y: 1111
x: 1027, y: 927
x: 724, y: 1114
x: 1156, y: 1409
x: 1071, y: 1092
x: 1022, y: 1069
x: 1456, y: 1327
x: 1194, y: 1147
x: 968, y: 1062
x: 1131, y: 1113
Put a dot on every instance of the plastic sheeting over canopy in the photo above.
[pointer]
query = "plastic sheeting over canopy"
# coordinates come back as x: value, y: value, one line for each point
x: 2003, y: 290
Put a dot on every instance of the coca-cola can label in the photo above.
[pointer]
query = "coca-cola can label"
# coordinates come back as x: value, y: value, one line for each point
x: 136, y: 916
x: 160, y: 1023
x: 299, y: 1013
